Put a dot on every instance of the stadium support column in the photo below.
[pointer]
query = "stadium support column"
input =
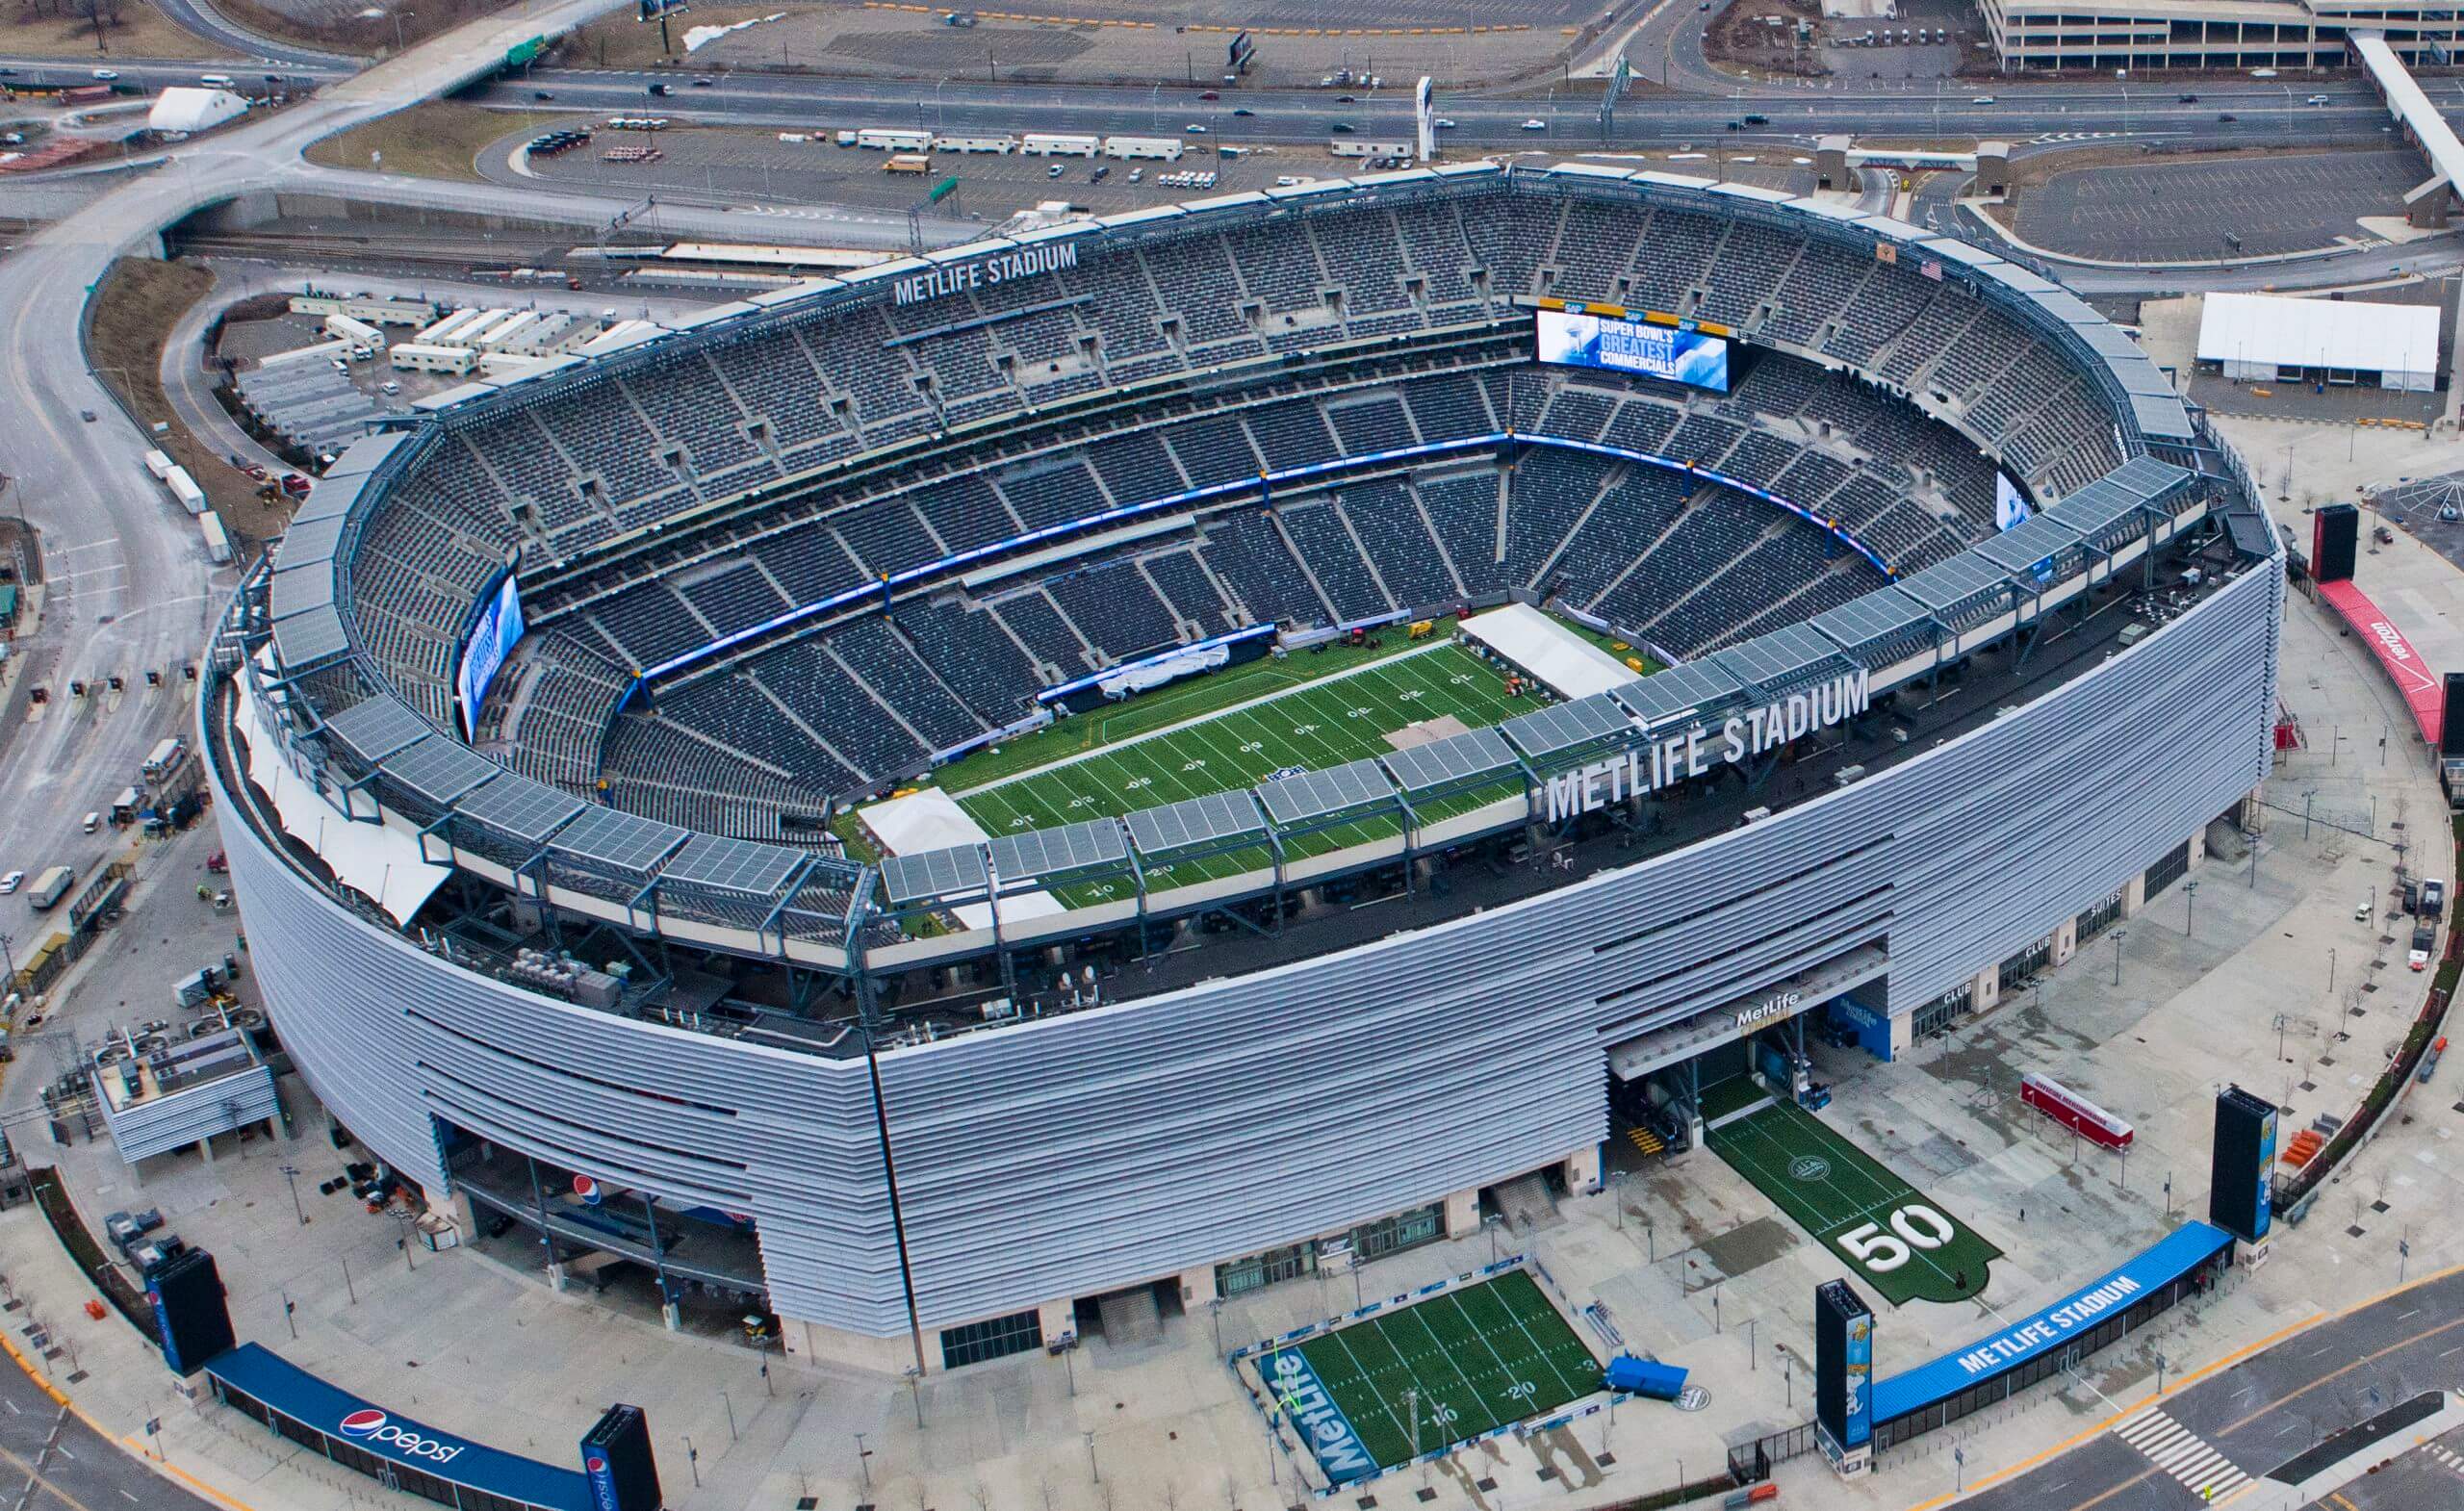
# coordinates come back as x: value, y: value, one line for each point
x: 1581, y: 1170
x: 1198, y: 1288
x: 1985, y: 987
x: 2065, y: 941
x: 2134, y: 895
x: 1060, y: 1321
x: 1463, y: 1213
x: 2198, y: 844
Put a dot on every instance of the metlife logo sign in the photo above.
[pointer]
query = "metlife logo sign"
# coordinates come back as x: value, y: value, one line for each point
x: 370, y: 1426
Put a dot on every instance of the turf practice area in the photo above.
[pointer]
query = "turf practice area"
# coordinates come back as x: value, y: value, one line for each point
x: 1890, y: 1235
x: 1458, y: 1364
x: 1324, y: 722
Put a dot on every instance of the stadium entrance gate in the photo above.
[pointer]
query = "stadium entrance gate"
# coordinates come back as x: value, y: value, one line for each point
x: 1764, y: 1031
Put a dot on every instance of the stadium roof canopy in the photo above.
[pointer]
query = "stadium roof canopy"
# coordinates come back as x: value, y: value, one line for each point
x: 2250, y: 330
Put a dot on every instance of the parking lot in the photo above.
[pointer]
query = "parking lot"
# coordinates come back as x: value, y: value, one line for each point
x: 733, y: 165
x: 2185, y: 212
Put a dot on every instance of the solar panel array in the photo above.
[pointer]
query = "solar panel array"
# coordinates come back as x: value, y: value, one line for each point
x: 1569, y: 725
x: 1321, y: 794
x: 376, y: 729
x: 439, y: 768
x: 1457, y: 758
x: 932, y: 874
x: 618, y: 841
x: 733, y: 865
x: 527, y: 810
x: 1054, y: 852
x: 1192, y: 822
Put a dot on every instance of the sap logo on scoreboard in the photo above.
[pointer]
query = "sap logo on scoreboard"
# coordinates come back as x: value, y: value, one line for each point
x: 1001, y: 268
x: 1675, y: 757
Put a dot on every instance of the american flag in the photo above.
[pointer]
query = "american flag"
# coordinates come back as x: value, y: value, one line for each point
x: 1933, y: 268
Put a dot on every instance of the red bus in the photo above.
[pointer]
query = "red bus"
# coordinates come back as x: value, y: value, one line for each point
x: 2074, y: 1111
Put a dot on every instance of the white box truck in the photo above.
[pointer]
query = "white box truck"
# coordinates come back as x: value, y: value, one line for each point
x: 185, y: 489
x: 158, y: 464
x: 218, y: 541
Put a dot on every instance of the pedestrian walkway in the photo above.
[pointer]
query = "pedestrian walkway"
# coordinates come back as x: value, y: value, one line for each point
x: 2182, y: 1453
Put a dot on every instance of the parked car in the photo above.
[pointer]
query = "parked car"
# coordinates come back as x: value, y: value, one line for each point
x: 2418, y: 957
x: 12, y: 881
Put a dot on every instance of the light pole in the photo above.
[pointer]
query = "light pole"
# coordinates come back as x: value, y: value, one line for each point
x: 1493, y: 1222
x: 2190, y: 908
x: 290, y: 1178
x: 1094, y: 1471
x: 2119, y: 935
x: 397, y: 26
x: 864, y: 1464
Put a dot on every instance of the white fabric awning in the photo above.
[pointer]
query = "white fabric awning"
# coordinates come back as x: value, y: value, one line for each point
x: 2319, y: 333
x: 377, y: 860
x: 1565, y: 662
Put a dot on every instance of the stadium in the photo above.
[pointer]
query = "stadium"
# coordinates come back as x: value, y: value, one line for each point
x: 1117, y: 762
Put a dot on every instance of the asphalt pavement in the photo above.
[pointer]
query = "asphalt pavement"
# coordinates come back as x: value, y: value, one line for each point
x: 2262, y: 1411
x: 51, y: 1461
x: 201, y: 19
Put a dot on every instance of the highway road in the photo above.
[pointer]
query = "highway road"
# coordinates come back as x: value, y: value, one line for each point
x: 2262, y: 1411
x: 2265, y: 112
x: 201, y: 19
x: 51, y: 1461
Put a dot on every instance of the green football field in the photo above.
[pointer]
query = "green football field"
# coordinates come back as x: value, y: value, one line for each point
x: 1891, y: 1236
x: 1321, y: 723
x: 1449, y: 1367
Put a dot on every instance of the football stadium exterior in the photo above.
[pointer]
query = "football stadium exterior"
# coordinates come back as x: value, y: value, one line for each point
x: 862, y: 1089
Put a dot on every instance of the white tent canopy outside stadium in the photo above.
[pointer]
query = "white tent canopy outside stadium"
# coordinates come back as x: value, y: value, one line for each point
x: 182, y: 111
x: 2263, y: 338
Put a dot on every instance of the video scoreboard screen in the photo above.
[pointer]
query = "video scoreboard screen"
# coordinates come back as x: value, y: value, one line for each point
x: 1572, y: 339
x: 492, y: 638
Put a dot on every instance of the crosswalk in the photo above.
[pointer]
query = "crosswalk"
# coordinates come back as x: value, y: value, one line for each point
x: 2182, y: 1453
x: 2448, y: 1460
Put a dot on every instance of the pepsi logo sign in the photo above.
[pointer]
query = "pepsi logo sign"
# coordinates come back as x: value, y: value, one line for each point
x: 371, y: 1425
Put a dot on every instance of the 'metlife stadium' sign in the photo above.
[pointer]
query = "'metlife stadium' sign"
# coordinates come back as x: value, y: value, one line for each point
x: 1000, y: 268
x: 1675, y: 757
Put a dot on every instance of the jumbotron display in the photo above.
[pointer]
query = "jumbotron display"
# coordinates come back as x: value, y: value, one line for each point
x: 1575, y: 339
x: 983, y: 691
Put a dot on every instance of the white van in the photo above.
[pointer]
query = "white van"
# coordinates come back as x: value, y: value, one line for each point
x: 94, y: 822
x: 215, y: 80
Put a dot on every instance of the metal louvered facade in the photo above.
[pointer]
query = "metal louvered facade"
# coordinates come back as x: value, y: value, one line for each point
x: 1135, y: 1137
